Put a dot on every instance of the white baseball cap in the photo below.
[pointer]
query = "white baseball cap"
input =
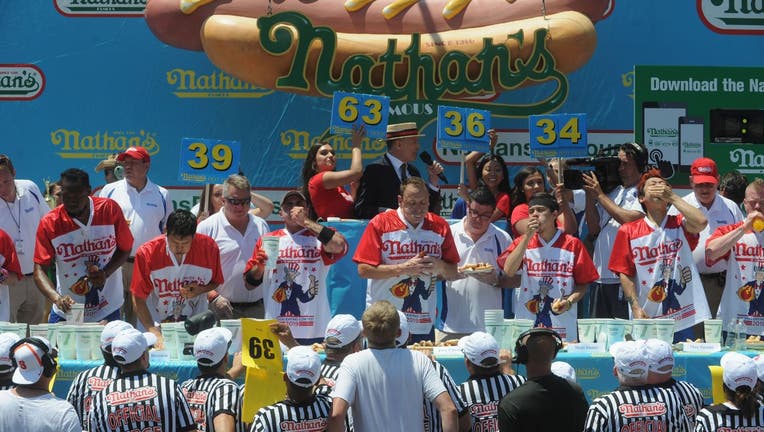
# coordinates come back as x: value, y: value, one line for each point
x: 342, y: 330
x: 564, y: 370
x: 303, y: 366
x: 630, y: 358
x: 29, y: 361
x: 130, y: 344
x: 211, y: 345
x: 479, y: 347
x: 6, y: 341
x: 111, y: 329
x: 660, y: 356
x: 759, y: 360
x: 738, y: 370
x: 404, y: 336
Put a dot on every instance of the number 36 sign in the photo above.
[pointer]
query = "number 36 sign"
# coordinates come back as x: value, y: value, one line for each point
x: 208, y: 160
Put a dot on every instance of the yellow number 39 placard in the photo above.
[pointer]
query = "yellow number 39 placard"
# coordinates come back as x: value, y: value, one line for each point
x: 261, y: 354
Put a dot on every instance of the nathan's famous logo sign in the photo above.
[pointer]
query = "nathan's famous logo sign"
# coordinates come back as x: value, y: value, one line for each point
x: 411, y: 54
x: 188, y: 83
x: 20, y: 81
x: 732, y: 16
x: 95, y: 8
x: 75, y: 144
x: 298, y: 142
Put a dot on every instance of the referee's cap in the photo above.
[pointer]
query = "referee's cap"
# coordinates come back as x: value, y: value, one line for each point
x: 403, y: 338
x: 130, y: 344
x: 630, y: 358
x: 303, y: 366
x: 759, y: 360
x: 342, y: 330
x: 660, y: 356
x: 481, y: 349
x: 564, y: 370
x: 211, y: 345
x: 6, y: 342
x: 110, y: 330
x: 738, y: 370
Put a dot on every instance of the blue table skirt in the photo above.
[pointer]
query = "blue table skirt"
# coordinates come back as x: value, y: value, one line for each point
x: 594, y: 371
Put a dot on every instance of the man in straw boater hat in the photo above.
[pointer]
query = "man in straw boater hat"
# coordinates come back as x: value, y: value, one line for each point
x: 381, y: 180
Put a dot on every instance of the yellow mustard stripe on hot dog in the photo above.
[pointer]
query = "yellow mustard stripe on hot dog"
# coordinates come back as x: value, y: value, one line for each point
x: 393, y: 9
x: 189, y: 6
x: 354, y: 5
x: 454, y: 8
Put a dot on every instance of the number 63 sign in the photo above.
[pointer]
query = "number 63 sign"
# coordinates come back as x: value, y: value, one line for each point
x: 350, y: 109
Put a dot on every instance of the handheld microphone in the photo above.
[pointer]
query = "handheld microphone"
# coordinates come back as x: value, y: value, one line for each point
x: 427, y: 159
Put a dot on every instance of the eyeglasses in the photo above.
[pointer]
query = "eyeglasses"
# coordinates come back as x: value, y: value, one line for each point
x: 238, y: 201
x: 475, y: 214
x: 753, y: 203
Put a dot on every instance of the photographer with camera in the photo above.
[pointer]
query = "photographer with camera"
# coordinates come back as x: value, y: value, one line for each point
x: 605, y: 213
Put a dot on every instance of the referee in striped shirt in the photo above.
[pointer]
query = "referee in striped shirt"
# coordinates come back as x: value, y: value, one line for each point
x: 6, y: 365
x: 660, y: 357
x: 741, y: 411
x: 212, y: 396
x: 635, y: 405
x: 138, y: 399
x: 342, y: 338
x: 89, y: 382
x: 487, y: 384
x: 303, y: 409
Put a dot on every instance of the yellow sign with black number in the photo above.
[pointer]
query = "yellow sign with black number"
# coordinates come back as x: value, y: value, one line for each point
x: 261, y: 354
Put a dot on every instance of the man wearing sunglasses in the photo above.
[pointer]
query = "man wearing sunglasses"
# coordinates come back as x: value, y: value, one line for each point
x: 478, y: 241
x: 236, y: 232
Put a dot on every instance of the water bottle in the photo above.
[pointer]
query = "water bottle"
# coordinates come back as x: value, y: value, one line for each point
x: 741, y: 334
x: 731, y: 340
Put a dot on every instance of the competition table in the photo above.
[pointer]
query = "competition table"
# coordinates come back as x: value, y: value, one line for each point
x: 594, y: 371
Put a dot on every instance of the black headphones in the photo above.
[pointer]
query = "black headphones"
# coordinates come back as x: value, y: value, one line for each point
x: 48, y: 358
x: 521, y: 349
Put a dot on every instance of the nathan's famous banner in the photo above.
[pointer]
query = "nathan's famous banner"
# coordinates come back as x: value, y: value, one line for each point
x: 82, y: 79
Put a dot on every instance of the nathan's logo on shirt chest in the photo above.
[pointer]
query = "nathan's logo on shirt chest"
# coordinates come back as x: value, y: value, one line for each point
x: 132, y: 395
x: 97, y: 383
x: 481, y: 410
x: 304, y: 425
x: 549, y: 266
x: 409, y: 249
x: 290, y: 252
x: 744, y: 250
x: 88, y: 246
x: 196, y: 397
x: 643, y: 253
x: 173, y: 286
x: 642, y: 410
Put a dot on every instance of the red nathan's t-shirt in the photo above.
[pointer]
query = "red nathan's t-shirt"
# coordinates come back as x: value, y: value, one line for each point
x: 327, y: 203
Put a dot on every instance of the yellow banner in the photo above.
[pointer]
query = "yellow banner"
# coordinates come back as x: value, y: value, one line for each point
x: 261, y: 355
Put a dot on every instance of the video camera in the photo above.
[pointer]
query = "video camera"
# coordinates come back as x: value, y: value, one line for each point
x: 604, y: 166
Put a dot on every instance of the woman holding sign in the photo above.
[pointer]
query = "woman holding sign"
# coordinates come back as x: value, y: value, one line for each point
x: 325, y: 187
x: 491, y: 172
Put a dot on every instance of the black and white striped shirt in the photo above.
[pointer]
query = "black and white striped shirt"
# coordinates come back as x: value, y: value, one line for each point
x: 721, y: 418
x: 432, y: 420
x: 209, y: 396
x: 690, y: 397
x: 648, y: 408
x: 329, y: 370
x: 143, y: 401
x: 288, y: 416
x: 86, y: 385
x: 482, y: 395
x: 7, y: 384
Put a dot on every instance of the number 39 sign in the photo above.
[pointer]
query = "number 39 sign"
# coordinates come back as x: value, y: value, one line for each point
x: 208, y: 160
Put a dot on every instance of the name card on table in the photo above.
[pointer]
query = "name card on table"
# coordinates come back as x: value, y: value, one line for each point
x: 586, y: 347
x: 701, y: 347
x: 447, y: 351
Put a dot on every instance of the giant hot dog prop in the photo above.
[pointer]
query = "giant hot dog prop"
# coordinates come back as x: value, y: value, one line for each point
x: 370, y: 44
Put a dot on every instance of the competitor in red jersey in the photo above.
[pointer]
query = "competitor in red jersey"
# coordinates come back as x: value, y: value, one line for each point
x: 173, y: 273
x: 89, y: 240
x: 653, y: 258
x: 294, y: 280
x: 556, y: 269
x: 402, y: 252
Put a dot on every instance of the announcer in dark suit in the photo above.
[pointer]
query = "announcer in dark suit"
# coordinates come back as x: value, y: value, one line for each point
x: 381, y: 180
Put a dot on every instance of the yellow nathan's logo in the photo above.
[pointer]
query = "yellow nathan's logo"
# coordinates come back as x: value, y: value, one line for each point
x: 298, y: 142
x: 594, y: 393
x: 679, y: 371
x: 587, y: 373
x: 188, y: 83
x: 74, y: 144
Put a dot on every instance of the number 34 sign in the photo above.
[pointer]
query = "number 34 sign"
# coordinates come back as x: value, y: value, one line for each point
x: 558, y: 135
x: 208, y: 160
